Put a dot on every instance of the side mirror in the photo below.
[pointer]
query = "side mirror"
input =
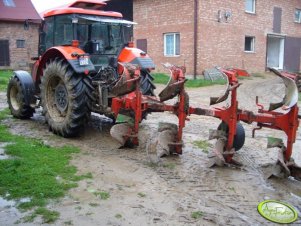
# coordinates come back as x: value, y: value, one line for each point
x: 42, y: 25
x: 42, y: 40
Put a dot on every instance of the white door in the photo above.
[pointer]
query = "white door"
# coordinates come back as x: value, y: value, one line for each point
x: 275, y: 52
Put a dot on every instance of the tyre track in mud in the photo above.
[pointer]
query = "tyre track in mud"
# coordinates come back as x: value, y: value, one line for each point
x: 176, y: 186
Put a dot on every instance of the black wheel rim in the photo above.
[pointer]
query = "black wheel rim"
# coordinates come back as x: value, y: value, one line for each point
x: 56, y: 99
x: 61, y: 98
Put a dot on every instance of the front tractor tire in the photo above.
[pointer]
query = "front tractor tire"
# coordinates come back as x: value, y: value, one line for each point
x: 63, y: 98
x: 16, y: 98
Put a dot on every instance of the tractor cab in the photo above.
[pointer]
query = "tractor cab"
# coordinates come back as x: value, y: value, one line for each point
x: 101, y: 37
x: 92, y: 40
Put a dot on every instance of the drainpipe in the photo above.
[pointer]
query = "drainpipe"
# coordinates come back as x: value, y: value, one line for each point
x: 195, y: 50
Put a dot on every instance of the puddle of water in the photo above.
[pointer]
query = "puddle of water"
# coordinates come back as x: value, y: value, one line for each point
x: 2, y: 151
x: 6, y: 203
x: 24, y: 200
x: 9, y: 214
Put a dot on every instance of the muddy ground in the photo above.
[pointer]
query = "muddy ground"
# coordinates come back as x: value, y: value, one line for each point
x: 143, y: 193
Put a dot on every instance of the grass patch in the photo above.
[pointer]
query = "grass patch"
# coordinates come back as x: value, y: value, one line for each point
x: 202, y: 144
x: 232, y: 189
x: 118, y: 216
x: 4, y: 114
x: 197, y: 215
x: 141, y: 195
x: 170, y: 165
x: 37, y: 172
x: 93, y: 204
x: 161, y: 78
x: 102, y: 194
x: 273, y: 141
x: 68, y: 222
x: 47, y: 215
x: 195, y: 83
x: 257, y: 75
x: 4, y: 78
x: 244, y: 77
x: 85, y: 176
x: 299, y: 96
x: 152, y: 164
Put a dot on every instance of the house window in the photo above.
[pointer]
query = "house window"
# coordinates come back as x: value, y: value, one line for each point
x: 250, y: 6
x: 298, y: 15
x: 172, y: 44
x: 9, y: 3
x: 249, y: 44
x: 20, y: 43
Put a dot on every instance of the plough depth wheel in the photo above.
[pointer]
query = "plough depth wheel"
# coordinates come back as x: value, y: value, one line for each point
x: 239, y: 138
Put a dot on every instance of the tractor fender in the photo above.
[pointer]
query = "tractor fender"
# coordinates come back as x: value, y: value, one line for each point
x: 70, y: 54
x: 136, y: 56
x: 27, y: 86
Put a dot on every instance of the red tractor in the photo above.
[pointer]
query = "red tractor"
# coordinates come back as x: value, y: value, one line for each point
x: 82, y: 52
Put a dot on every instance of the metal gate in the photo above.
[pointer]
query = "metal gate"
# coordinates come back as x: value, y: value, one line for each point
x: 4, y: 53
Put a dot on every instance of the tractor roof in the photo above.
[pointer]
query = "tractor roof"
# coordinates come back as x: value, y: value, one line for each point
x: 89, y: 7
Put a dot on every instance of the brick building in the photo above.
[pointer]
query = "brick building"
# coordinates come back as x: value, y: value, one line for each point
x: 250, y: 34
x: 19, y: 36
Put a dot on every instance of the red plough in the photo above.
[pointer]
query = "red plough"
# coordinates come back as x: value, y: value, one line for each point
x: 230, y: 134
x: 141, y: 105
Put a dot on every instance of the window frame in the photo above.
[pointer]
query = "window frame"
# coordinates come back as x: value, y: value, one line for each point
x: 20, y: 43
x: 254, y: 7
x: 252, y: 44
x: 299, y: 19
x: 174, y: 44
x: 59, y: 28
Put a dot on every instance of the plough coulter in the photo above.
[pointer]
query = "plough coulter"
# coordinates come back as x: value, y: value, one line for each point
x: 230, y: 133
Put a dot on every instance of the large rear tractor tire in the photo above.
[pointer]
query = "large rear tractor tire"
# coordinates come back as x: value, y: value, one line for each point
x: 147, y: 86
x: 16, y: 100
x: 64, y: 99
x: 239, y: 138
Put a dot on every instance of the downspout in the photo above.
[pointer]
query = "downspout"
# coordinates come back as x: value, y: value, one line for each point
x: 195, y: 34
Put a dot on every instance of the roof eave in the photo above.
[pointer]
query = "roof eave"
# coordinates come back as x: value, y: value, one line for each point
x: 34, y: 21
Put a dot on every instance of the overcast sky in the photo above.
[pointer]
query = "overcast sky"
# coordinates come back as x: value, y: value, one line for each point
x: 42, y: 5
